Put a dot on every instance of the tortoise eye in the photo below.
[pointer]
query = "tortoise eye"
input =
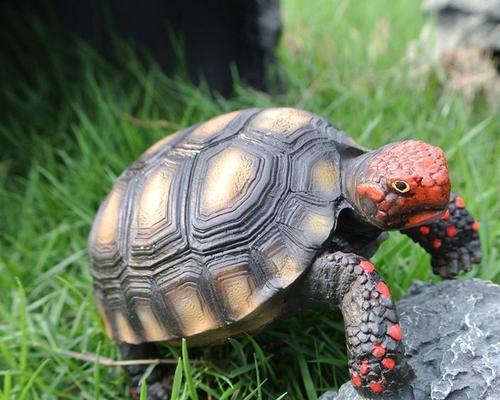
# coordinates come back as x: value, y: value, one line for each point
x: 401, y: 186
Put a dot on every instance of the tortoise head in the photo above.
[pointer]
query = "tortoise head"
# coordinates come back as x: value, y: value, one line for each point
x: 400, y: 185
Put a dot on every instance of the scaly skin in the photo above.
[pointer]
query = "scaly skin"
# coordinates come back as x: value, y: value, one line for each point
x: 374, y: 337
x: 452, y: 241
x: 371, y: 184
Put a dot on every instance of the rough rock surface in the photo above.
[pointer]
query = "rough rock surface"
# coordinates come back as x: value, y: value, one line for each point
x: 466, y: 23
x: 463, y: 36
x: 452, y: 338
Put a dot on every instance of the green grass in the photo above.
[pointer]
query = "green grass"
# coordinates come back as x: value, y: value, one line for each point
x: 66, y: 136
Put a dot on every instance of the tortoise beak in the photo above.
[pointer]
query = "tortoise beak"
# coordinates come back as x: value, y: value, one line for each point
x: 423, y: 217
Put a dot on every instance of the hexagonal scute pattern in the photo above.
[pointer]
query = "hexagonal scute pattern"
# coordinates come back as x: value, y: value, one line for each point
x: 202, y: 231
x: 237, y: 190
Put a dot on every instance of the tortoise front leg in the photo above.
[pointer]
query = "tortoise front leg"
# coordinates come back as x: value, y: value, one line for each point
x: 373, y: 334
x: 158, y: 382
x: 452, y: 241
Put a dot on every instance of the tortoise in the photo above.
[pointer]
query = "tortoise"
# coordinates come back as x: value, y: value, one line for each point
x: 224, y: 226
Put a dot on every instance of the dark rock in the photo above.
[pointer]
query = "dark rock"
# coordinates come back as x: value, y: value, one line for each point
x: 452, y: 338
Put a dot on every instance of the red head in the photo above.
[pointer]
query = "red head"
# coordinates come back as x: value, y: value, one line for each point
x: 401, y: 185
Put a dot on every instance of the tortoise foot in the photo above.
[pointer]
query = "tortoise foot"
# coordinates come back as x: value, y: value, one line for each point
x: 374, y: 336
x: 158, y: 382
x: 155, y: 391
x: 452, y: 241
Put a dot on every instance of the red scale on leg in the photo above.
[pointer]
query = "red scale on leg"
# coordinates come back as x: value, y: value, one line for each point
x: 383, y: 289
x: 367, y: 266
x: 459, y: 202
x: 378, y: 350
x: 376, y: 387
x: 436, y: 243
x: 395, y: 332
x: 475, y: 226
x: 356, y: 380
x: 451, y: 231
x: 424, y: 230
x: 388, y: 363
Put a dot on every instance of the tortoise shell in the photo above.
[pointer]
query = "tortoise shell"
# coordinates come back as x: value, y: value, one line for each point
x: 202, y: 234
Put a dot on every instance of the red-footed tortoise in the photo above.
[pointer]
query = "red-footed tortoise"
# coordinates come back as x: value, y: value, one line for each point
x: 226, y: 225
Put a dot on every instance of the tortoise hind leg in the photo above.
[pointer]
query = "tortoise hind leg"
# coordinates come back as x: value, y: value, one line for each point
x: 158, y: 382
x: 374, y: 347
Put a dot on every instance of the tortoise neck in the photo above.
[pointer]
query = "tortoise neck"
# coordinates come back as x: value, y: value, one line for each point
x: 355, y: 172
